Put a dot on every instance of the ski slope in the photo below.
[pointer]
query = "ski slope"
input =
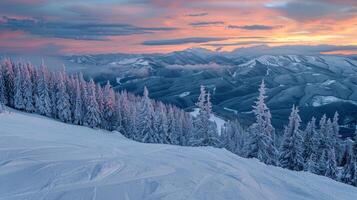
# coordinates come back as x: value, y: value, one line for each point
x: 44, y: 159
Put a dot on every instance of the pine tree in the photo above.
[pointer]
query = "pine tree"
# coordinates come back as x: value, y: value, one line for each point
x: 145, y: 117
x: 211, y: 138
x: 92, y: 116
x: 310, y: 143
x: 160, y: 123
x: 9, y: 78
x: 336, y: 138
x: 291, y: 149
x: 109, y: 108
x: 331, y: 165
x: 78, y: 110
x: 27, y: 90
x: 42, y: 94
x: 206, y: 133
x: 262, y: 113
x: 187, y: 128
x: 260, y: 142
x: 18, y: 92
x: 232, y: 137
x: 170, y: 125
x: 349, y: 173
x: 100, y: 100
x: 176, y: 128
x: 124, y: 110
x: 53, y: 79
x: 321, y: 163
x: 118, y: 116
x: 202, y: 119
x: 2, y: 89
x: 63, y: 105
x: 311, y: 164
x: 323, y: 134
x: 327, y: 142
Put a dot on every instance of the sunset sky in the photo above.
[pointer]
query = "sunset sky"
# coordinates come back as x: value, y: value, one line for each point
x: 150, y: 26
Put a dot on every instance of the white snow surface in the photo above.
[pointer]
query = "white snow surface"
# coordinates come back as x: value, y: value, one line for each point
x: 130, y: 61
x: 184, y: 94
x: 44, y: 159
x: 324, y: 100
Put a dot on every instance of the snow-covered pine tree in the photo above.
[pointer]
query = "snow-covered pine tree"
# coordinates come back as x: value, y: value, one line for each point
x: 291, y: 149
x: 53, y: 80
x: 124, y: 111
x: 170, y: 124
x: 109, y: 107
x: 84, y: 92
x: 2, y: 88
x: 331, y: 165
x: 27, y: 90
x: 262, y: 113
x: 205, y: 131
x: 118, y: 114
x: 232, y: 137
x: 322, y: 161
x: 133, y: 132
x: 336, y: 126
x: 311, y: 164
x: 71, y: 90
x: 349, y: 173
x: 211, y: 138
x: 261, y: 135
x: 92, y: 116
x: 336, y: 138
x: 42, y: 94
x: 176, y: 129
x: 310, y: 144
x: 9, y: 78
x: 326, y: 143
x: 160, y: 123
x: 322, y: 132
x: 18, y: 92
x: 63, y: 104
x: 2, y: 91
x: 78, y: 114
x: 100, y: 100
x: 201, y: 120
x: 187, y: 127
x: 145, y: 117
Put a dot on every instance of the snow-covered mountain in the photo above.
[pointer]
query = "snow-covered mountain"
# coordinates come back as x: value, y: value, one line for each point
x: 317, y: 84
x: 44, y: 159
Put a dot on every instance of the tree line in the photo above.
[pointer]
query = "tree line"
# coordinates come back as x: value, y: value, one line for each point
x: 72, y: 99
x: 317, y: 148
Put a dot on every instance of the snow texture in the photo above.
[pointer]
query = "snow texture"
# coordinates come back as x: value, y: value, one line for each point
x: 46, y: 159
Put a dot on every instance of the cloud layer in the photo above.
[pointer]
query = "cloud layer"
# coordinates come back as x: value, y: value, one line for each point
x: 77, y: 31
x: 179, y: 41
x: 151, y: 26
x: 252, y: 27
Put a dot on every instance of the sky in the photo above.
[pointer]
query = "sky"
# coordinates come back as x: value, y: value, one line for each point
x: 58, y: 27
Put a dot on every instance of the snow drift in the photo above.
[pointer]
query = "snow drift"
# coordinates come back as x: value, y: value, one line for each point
x: 45, y: 159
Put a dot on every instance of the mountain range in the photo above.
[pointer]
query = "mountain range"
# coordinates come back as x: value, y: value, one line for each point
x: 318, y: 84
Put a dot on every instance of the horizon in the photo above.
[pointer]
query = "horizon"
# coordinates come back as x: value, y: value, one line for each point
x: 155, y: 26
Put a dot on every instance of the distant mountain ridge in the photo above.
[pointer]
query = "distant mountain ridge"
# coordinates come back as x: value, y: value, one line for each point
x: 317, y: 84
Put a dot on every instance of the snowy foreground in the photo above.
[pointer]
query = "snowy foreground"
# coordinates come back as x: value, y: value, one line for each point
x: 45, y: 159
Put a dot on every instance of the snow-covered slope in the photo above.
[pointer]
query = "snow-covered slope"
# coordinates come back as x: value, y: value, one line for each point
x: 44, y: 159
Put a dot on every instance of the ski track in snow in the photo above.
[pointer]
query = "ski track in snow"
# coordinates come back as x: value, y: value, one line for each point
x: 41, y: 158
